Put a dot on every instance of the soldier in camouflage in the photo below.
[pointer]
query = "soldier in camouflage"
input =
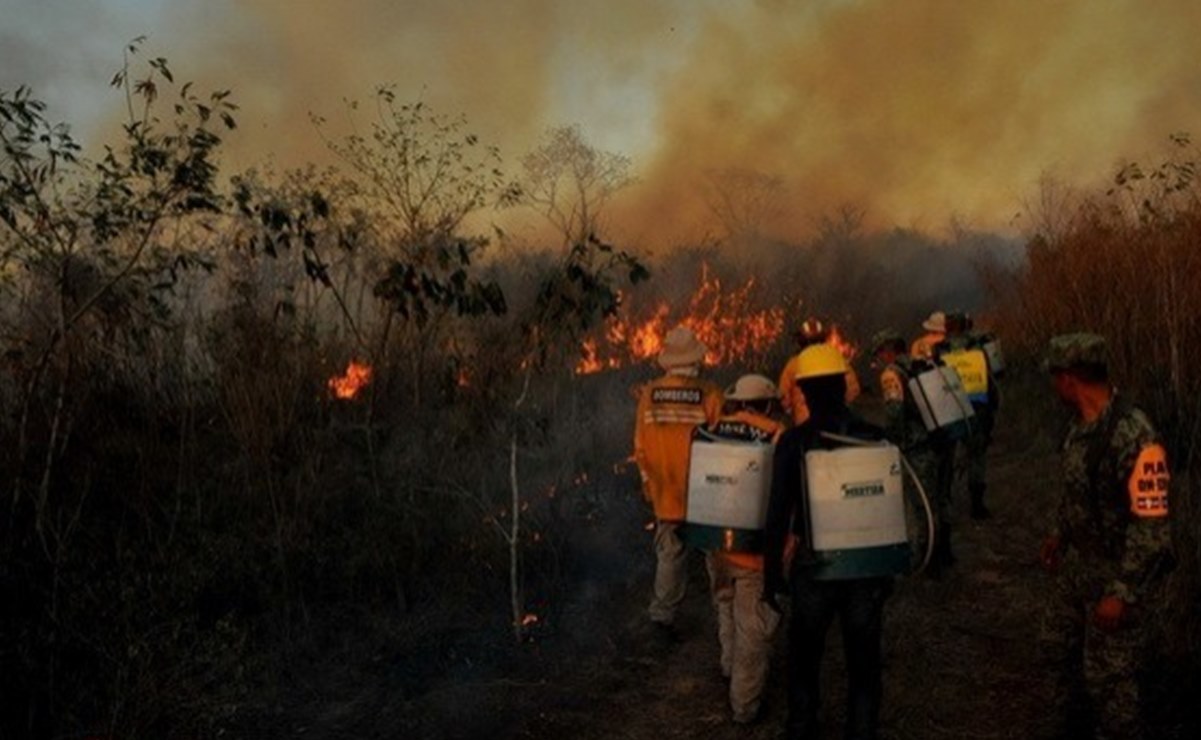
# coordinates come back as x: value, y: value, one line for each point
x: 905, y: 429
x: 960, y: 343
x: 1111, y: 543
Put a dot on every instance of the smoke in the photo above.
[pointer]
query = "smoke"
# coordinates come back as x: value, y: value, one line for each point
x: 512, y: 69
x: 916, y: 112
x: 921, y: 110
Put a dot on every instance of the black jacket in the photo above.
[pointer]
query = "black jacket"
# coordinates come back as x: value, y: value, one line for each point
x: 786, y: 509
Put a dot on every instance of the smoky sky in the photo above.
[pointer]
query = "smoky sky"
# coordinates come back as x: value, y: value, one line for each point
x: 916, y: 111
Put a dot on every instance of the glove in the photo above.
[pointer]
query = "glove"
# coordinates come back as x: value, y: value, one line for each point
x: 1049, y: 553
x: 1109, y: 613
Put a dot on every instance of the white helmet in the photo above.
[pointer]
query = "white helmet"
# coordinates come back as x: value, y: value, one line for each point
x: 752, y: 388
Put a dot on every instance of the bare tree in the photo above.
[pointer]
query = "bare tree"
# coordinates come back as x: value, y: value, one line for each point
x: 1049, y: 213
x: 425, y: 168
x: 420, y: 174
x: 743, y: 200
x: 841, y: 225
x: 568, y: 181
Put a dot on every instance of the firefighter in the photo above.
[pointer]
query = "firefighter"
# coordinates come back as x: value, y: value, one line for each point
x: 745, y: 624
x: 1111, y: 545
x: 816, y: 601
x: 812, y: 331
x: 963, y: 351
x: 936, y: 331
x: 669, y: 409
x: 924, y: 450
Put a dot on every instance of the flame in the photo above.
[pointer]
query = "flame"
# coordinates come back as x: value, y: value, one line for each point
x: 844, y: 346
x: 724, y: 320
x: 348, y: 385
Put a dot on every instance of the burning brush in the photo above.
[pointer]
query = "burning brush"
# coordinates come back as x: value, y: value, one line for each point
x: 348, y: 385
x: 725, y: 320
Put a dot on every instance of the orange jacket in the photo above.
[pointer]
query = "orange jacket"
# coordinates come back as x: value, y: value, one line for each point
x: 669, y: 408
x: 768, y: 430
x: 793, y: 400
x: 923, y: 347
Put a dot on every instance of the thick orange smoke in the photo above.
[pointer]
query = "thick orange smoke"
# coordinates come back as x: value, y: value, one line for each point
x: 915, y: 110
x: 921, y: 110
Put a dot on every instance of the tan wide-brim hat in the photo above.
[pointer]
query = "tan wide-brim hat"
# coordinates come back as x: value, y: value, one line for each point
x: 681, y: 348
x: 752, y: 388
x: 937, y: 322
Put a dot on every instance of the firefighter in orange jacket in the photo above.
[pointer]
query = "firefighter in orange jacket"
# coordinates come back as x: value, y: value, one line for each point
x: 745, y: 623
x: 669, y: 409
x: 812, y: 332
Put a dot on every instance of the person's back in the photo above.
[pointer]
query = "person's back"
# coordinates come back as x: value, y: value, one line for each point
x: 960, y: 351
x: 746, y: 625
x: 669, y: 408
x: 813, y: 331
x: 821, y: 584
x: 905, y: 428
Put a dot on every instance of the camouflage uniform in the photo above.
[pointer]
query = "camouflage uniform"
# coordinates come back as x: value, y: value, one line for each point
x: 1114, y: 537
x: 905, y: 429
x: 978, y: 441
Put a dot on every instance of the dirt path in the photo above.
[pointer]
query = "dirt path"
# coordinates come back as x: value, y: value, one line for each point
x: 960, y: 652
x: 961, y: 657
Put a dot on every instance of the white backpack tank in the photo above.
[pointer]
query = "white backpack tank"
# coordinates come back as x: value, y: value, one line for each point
x: 856, y: 511
x: 941, y: 401
x: 729, y: 484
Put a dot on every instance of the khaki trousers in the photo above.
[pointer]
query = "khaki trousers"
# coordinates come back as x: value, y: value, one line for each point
x: 671, y: 573
x: 745, y: 627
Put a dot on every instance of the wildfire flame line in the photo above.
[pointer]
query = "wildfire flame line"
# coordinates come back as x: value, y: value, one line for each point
x: 726, y: 321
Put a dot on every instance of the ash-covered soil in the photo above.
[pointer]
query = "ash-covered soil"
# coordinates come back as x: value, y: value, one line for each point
x: 962, y: 659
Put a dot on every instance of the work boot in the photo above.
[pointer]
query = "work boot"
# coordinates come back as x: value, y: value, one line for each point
x: 980, y: 512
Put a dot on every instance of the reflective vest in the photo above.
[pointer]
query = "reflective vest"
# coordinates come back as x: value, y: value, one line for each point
x: 669, y: 408
x: 972, y: 366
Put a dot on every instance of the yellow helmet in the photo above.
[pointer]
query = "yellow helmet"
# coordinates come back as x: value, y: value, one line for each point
x: 818, y: 360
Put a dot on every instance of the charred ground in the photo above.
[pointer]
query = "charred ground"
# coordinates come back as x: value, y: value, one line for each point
x: 962, y: 658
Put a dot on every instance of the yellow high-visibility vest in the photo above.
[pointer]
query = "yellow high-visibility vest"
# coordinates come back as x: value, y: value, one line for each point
x: 972, y: 367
